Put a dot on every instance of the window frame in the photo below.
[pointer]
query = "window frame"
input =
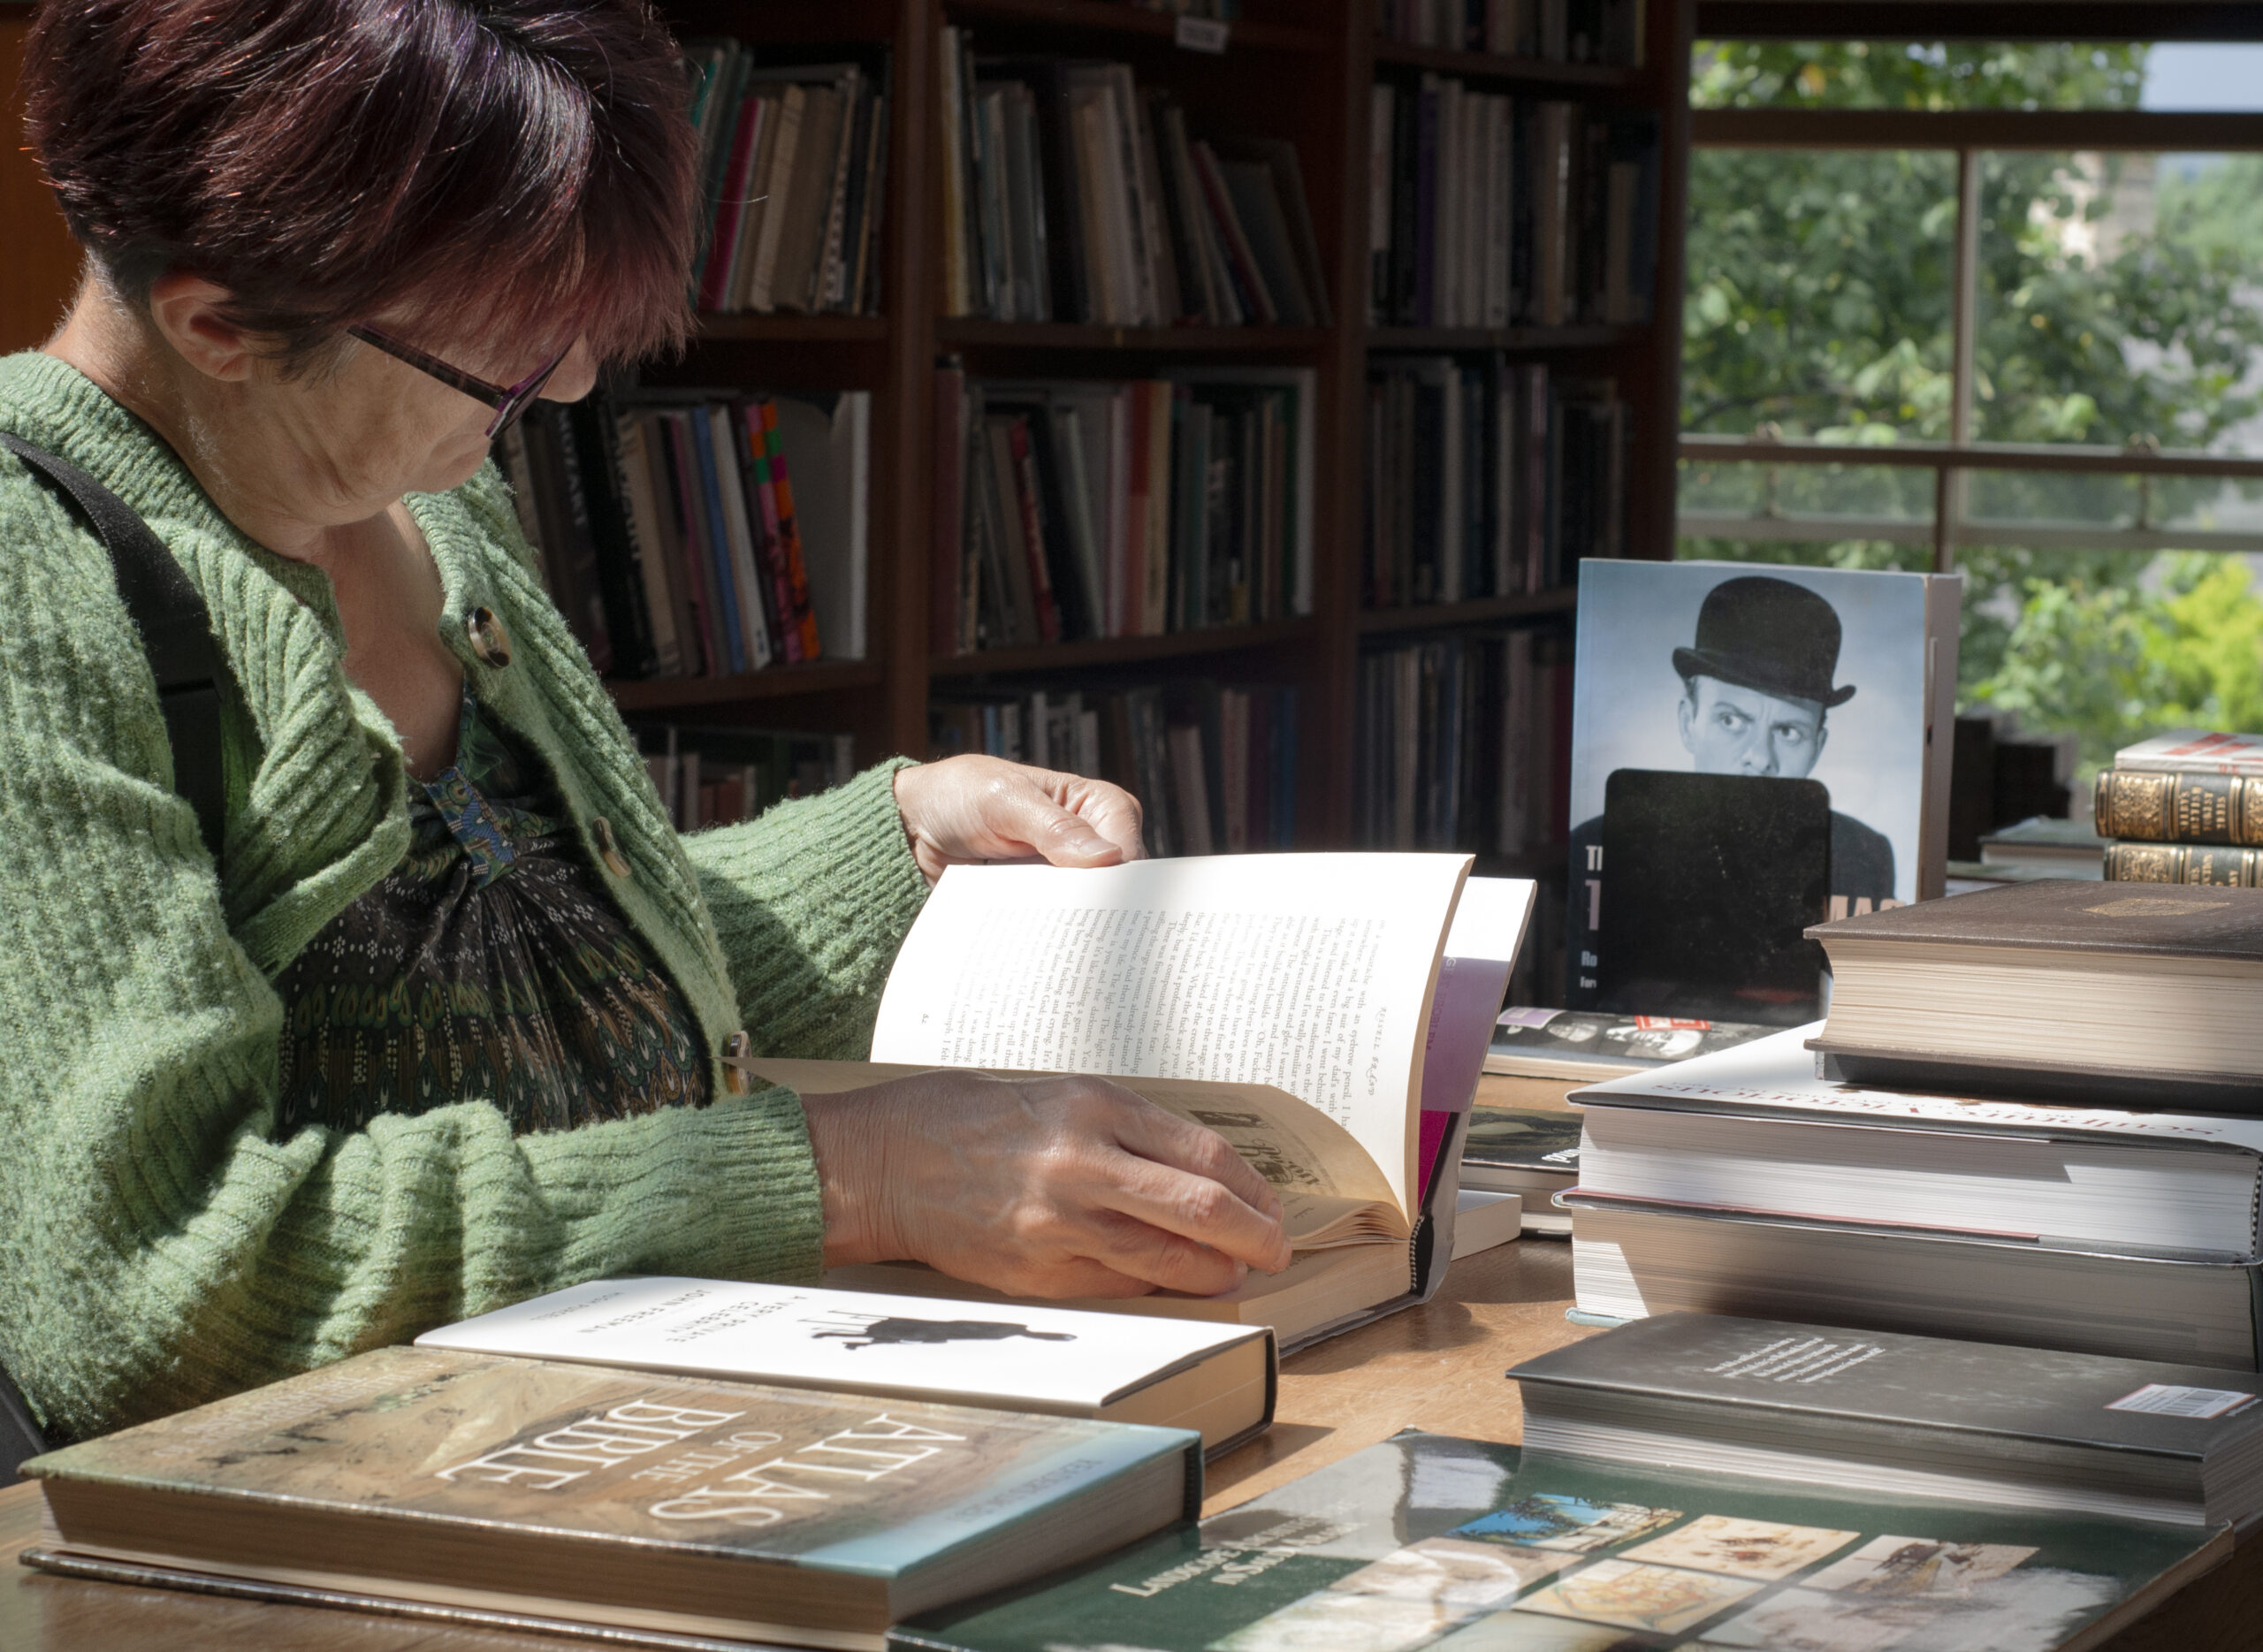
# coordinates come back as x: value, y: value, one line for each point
x: 1966, y: 134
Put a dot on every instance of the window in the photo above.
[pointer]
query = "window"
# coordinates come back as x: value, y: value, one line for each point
x: 1997, y: 308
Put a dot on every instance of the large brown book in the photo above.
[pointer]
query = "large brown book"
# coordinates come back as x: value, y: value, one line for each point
x: 528, y: 1492
x: 2058, y: 990
x: 2216, y: 866
x: 2179, y: 808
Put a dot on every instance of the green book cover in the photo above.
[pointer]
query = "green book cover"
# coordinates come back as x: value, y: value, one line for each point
x: 1429, y: 1541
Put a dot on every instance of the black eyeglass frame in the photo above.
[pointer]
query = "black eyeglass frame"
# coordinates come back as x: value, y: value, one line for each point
x: 510, y: 401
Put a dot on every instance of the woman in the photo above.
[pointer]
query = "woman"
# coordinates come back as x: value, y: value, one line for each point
x: 452, y: 1019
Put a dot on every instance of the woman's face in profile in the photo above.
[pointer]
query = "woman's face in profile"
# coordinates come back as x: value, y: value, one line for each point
x: 380, y: 428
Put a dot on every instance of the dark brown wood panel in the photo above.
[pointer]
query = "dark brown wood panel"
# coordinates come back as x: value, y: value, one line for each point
x: 39, y: 269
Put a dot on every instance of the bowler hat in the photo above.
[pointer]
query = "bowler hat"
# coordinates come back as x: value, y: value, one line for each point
x: 1768, y: 635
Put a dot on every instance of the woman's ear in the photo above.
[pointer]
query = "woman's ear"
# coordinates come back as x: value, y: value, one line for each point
x: 186, y: 310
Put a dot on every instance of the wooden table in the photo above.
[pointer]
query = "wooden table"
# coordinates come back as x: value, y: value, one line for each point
x: 1438, y: 1367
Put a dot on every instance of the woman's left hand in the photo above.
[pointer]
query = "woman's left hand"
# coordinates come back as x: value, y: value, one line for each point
x: 965, y: 811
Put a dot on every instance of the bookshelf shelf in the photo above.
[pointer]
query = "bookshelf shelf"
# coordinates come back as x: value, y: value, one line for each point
x: 966, y: 334
x: 1522, y: 339
x: 667, y: 693
x: 1485, y: 65
x: 1103, y: 17
x: 793, y: 329
x: 1123, y: 650
x: 1481, y: 610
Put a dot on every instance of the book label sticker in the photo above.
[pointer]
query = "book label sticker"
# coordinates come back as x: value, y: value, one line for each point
x: 1920, y: 1568
x: 2167, y: 1400
x: 1201, y: 33
x: 1548, y: 1520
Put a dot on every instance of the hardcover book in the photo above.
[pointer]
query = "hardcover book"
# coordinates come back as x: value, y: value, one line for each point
x: 2208, y: 864
x: 1427, y: 1541
x: 2058, y: 990
x: 1216, y: 1379
x: 1909, y: 1416
x: 594, y: 1497
x: 2170, y: 807
x: 1313, y: 1009
x: 1835, y: 678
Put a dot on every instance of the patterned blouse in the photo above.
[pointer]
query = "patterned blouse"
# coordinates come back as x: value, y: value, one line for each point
x: 486, y: 965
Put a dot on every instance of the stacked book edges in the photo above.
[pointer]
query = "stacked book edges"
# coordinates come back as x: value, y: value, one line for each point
x: 1072, y: 194
x: 1487, y: 477
x: 794, y: 169
x: 2189, y: 805
x: 1067, y: 510
x: 1741, y: 1183
x: 1487, y: 210
x: 1214, y: 765
x: 700, y: 533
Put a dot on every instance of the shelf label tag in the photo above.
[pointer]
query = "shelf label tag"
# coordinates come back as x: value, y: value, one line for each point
x: 1202, y: 34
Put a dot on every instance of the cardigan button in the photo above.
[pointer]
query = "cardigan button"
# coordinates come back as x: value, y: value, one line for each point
x: 609, y: 848
x: 489, y: 640
x: 737, y: 1048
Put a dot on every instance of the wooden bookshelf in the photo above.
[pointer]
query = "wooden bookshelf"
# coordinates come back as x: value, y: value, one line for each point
x: 1298, y: 69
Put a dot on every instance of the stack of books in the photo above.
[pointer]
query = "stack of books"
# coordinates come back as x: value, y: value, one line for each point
x: 794, y: 164
x: 2187, y: 807
x: 1073, y: 509
x: 2035, y: 1122
x: 700, y: 534
x: 1071, y: 193
x: 1214, y: 765
x: 1486, y: 478
x: 709, y: 777
x: 1486, y: 210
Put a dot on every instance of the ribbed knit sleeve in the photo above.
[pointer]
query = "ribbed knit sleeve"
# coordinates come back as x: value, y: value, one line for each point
x: 811, y: 902
x: 162, y: 1247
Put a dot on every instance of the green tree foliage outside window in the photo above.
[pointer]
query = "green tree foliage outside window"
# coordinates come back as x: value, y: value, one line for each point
x: 1818, y: 303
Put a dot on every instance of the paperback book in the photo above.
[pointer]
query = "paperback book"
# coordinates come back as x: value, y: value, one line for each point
x: 1427, y: 1541
x: 1836, y: 678
x: 578, y: 1495
x: 1326, y: 1014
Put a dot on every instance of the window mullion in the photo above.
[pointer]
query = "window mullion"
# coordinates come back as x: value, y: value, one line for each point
x: 1948, y: 490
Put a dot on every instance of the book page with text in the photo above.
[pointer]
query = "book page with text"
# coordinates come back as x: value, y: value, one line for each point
x: 1312, y: 972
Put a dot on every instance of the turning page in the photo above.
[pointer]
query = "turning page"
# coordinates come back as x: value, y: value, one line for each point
x: 1312, y: 972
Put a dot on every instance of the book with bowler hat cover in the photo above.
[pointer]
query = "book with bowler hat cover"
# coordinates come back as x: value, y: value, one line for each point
x: 1786, y: 718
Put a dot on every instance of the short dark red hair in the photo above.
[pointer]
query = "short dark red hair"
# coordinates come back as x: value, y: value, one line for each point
x: 514, y: 164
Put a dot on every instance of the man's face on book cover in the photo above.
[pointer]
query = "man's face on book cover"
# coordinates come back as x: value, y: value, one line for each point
x: 1730, y: 729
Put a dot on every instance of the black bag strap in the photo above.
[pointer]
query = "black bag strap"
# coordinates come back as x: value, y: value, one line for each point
x: 176, y: 630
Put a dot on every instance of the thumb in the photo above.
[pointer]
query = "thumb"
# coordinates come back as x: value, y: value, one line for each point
x: 1063, y: 836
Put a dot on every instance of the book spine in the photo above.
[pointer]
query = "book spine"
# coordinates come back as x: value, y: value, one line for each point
x: 2179, y: 808
x: 2220, y: 866
x: 947, y: 569
x: 786, y: 523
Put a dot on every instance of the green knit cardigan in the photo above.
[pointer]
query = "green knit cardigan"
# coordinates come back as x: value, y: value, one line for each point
x: 161, y: 1244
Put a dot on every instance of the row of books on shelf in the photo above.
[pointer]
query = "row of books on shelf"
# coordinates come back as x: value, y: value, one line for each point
x: 794, y: 168
x: 1488, y: 210
x: 1553, y: 31
x: 1072, y: 509
x: 1214, y: 765
x: 1072, y: 194
x: 710, y: 777
x: 700, y: 533
x: 1462, y: 742
x: 1487, y: 477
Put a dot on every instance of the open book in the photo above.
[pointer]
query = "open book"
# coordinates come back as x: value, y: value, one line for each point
x: 1302, y: 1006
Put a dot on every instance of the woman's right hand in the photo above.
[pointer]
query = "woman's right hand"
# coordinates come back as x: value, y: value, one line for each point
x: 1038, y: 1187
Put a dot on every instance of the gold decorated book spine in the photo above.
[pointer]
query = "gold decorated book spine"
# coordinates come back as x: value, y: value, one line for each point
x: 2218, y: 865
x: 2184, y: 808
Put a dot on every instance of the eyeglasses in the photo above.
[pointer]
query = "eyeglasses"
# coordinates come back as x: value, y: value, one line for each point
x: 509, y: 402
